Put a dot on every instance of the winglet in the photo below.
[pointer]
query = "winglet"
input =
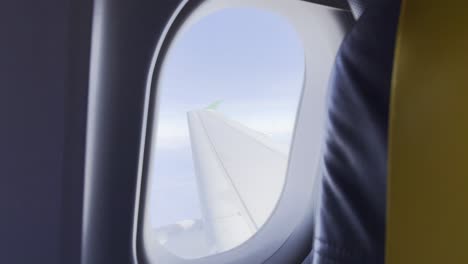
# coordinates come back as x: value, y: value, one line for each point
x: 214, y: 105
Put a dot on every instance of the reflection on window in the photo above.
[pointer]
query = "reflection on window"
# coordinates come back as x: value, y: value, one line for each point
x: 228, y: 94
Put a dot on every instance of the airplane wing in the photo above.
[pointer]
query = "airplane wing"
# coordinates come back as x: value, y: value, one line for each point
x: 240, y: 176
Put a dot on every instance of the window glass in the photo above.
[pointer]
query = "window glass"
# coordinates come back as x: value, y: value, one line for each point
x: 227, y: 99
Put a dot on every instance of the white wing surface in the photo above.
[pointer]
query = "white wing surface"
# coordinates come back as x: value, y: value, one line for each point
x: 240, y: 175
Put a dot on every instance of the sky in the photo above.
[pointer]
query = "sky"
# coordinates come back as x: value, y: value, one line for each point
x: 253, y: 62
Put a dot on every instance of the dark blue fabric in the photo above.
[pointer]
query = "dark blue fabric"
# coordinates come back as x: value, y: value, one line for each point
x: 351, y: 216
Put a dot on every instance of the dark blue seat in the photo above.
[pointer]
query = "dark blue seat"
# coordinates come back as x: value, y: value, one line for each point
x: 351, y: 216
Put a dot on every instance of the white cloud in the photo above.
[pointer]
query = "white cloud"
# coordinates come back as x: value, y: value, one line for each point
x: 172, y: 134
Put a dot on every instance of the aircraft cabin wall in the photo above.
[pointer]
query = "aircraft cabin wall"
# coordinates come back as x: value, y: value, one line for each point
x: 44, y: 58
x: 45, y: 74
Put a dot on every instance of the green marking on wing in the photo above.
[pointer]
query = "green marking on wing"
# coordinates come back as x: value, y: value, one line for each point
x: 214, y: 105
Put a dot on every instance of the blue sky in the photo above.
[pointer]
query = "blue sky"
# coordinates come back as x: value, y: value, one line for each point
x: 250, y: 59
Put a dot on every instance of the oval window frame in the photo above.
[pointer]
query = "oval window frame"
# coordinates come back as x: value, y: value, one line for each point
x: 274, y: 241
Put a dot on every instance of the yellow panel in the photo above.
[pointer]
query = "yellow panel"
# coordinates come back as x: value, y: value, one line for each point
x: 428, y: 151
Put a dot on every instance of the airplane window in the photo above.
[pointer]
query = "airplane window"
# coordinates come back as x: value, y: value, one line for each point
x: 228, y: 93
